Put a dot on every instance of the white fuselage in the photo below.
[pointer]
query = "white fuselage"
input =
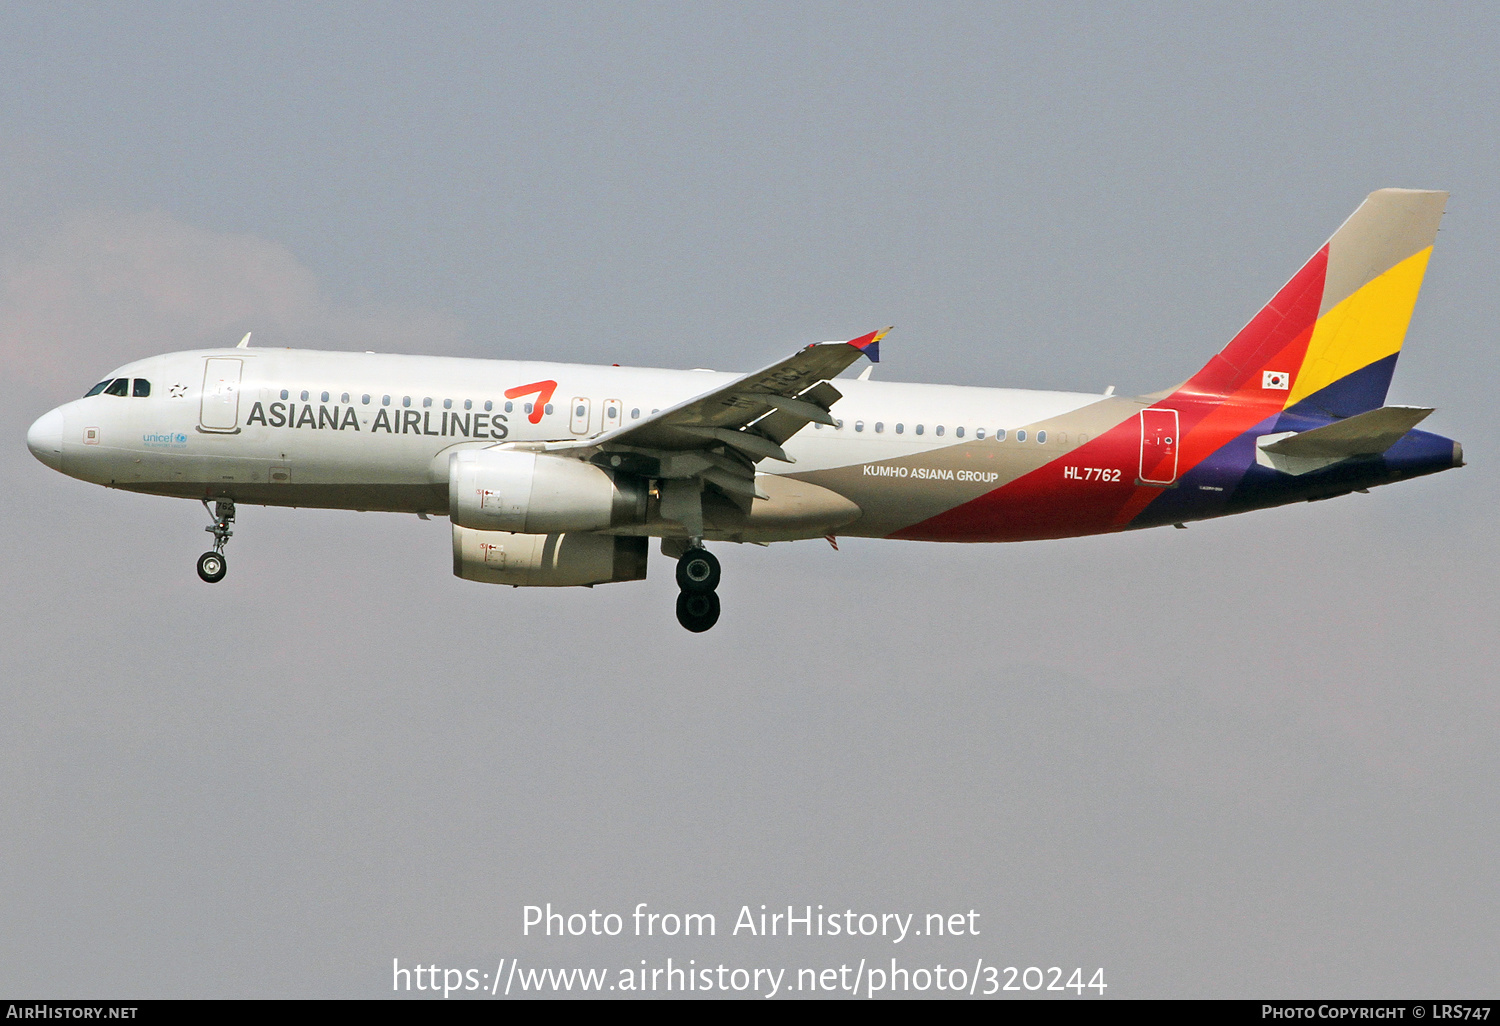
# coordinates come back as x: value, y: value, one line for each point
x: 375, y: 431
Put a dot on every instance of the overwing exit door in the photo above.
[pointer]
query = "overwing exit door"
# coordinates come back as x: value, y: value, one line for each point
x: 579, y: 421
x: 1158, y: 447
x: 613, y: 409
x: 220, y: 411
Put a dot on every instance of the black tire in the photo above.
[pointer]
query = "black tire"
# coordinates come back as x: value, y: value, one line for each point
x: 697, y: 572
x: 212, y: 567
x: 698, y: 611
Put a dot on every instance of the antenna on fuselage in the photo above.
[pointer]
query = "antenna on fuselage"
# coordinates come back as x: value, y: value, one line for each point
x: 244, y: 342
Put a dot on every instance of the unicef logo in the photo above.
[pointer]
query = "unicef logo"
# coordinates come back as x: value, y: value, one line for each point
x: 172, y: 439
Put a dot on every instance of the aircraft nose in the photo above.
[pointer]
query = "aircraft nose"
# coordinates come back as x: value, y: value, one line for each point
x: 45, y: 439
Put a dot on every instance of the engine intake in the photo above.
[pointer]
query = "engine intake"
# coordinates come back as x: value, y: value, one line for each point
x: 546, y: 560
x: 531, y: 493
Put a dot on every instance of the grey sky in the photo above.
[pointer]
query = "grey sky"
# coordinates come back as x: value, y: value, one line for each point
x: 1253, y: 758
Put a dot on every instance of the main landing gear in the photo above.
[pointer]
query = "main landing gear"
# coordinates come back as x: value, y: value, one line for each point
x: 211, y: 565
x: 697, y: 577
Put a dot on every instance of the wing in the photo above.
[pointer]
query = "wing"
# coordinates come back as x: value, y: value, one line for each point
x: 756, y: 412
x: 720, y: 435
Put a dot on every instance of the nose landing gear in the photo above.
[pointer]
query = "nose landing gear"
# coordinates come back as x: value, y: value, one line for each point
x: 211, y: 565
x: 697, y: 577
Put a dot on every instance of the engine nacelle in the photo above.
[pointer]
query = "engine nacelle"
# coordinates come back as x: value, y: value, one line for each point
x: 546, y: 560
x: 531, y: 493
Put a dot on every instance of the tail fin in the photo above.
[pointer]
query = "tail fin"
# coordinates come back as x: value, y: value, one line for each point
x: 1328, y: 341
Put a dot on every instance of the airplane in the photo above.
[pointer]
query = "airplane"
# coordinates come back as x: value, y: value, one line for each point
x: 557, y: 474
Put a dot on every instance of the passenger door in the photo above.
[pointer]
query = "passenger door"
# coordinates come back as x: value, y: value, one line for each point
x: 220, y: 410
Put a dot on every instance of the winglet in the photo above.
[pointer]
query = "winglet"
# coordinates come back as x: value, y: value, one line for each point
x: 870, y: 344
x: 244, y: 342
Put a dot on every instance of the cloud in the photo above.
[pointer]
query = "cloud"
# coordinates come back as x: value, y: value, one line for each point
x: 101, y: 287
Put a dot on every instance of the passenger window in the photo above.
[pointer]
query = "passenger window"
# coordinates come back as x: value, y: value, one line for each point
x: 427, y: 402
x: 141, y: 389
x: 365, y: 398
x: 979, y: 434
x: 447, y: 404
x: 900, y: 428
x: 547, y: 409
x: 385, y: 400
x: 119, y: 386
x: 468, y: 404
x: 526, y: 408
x: 959, y: 432
x: 304, y: 395
x: 98, y: 388
x: 488, y: 406
x: 508, y: 406
x: 325, y: 397
x: 1021, y: 436
x: 285, y: 394
x: 406, y: 401
x: 919, y: 429
x: 1000, y: 434
x: 635, y: 414
x: 580, y: 411
x: 344, y: 398
x: 1041, y: 438
x: 838, y: 425
x: 940, y: 429
x: 1082, y: 439
x: 879, y: 426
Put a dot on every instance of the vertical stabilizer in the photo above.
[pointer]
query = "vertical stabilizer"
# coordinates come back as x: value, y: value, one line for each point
x: 1328, y: 341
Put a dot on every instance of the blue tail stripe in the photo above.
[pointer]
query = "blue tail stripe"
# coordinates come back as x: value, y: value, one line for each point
x: 1358, y: 392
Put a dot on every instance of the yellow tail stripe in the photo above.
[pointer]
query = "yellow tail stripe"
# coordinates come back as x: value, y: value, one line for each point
x: 1367, y: 326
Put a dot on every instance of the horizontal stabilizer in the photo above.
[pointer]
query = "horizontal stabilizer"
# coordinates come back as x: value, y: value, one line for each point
x: 1366, y: 434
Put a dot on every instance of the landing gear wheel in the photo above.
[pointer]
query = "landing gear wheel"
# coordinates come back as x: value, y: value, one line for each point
x: 698, y: 573
x: 698, y: 611
x: 212, y: 567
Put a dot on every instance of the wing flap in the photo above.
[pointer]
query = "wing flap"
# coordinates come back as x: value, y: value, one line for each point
x: 799, y: 407
x: 783, y: 422
x: 747, y: 442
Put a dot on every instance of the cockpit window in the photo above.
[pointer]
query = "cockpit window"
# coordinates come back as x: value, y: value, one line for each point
x: 119, y: 386
x: 99, y: 387
x: 142, y: 388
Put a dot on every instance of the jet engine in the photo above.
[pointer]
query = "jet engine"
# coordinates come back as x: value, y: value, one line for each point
x: 546, y: 560
x: 531, y: 493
